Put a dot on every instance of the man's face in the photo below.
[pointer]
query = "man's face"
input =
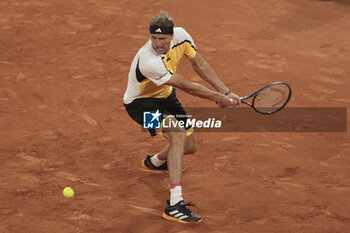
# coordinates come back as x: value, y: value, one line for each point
x: 161, y: 43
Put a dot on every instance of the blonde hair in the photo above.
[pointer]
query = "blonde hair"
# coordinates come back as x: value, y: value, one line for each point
x: 162, y: 19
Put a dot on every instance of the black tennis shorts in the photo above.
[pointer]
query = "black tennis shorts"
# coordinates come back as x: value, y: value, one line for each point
x: 167, y: 106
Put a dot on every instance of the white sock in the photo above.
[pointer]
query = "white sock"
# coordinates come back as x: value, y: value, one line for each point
x: 156, y: 161
x: 175, y: 194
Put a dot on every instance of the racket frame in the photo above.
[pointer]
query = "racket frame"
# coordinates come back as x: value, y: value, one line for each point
x: 254, y: 95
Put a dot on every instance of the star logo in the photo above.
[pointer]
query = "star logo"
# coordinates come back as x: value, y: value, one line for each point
x: 156, y: 115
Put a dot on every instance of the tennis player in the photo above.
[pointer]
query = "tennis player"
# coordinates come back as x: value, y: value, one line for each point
x: 151, y: 83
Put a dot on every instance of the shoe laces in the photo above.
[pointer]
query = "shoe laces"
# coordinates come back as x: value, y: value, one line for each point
x: 191, y: 204
x: 186, y: 210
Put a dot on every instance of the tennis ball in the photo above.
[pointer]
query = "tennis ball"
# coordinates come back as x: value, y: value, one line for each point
x: 68, y: 192
x: 258, y: 98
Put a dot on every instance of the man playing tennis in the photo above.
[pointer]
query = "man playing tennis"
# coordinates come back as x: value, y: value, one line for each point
x: 151, y: 80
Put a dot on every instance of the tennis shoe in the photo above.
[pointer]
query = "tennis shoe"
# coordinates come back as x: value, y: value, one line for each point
x: 180, y: 213
x: 146, y: 163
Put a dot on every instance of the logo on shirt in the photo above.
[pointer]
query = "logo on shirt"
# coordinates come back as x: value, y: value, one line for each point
x: 159, y: 30
x: 152, y: 120
x: 168, y: 59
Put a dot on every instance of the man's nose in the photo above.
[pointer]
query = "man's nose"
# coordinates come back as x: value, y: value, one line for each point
x: 158, y: 42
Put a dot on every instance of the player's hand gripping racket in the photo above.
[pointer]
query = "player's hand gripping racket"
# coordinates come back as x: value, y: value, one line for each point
x: 270, y: 99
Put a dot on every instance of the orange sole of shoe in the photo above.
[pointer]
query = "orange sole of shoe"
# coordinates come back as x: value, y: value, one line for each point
x: 167, y: 217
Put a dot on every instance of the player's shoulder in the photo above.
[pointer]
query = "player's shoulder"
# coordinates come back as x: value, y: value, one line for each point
x: 147, y: 52
x: 179, y: 30
x: 180, y: 34
x: 148, y: 58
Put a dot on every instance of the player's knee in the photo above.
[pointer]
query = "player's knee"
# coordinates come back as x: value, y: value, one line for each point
x: 174, y: 132
x: 191, y: 148
x: 172, y: 128
x: 177, y: 137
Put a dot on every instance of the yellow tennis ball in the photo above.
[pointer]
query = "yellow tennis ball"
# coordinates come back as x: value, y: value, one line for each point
x: 68, y: 192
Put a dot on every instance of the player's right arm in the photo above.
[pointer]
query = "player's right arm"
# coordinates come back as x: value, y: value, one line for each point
x: 154, y: 69
x: 196, y: 89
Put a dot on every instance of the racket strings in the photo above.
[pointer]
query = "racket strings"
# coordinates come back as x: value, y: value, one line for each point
x: 271, y: 98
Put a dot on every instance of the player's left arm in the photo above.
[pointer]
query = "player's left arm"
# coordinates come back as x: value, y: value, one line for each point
x: 206, y: 72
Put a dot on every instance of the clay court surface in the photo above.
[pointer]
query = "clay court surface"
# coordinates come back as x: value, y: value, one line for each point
x: 63, y: 72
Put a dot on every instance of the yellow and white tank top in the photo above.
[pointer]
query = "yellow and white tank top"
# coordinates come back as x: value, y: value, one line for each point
x: 150, y: 70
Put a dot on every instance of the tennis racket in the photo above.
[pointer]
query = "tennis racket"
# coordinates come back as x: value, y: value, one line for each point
x: 270, y: 99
